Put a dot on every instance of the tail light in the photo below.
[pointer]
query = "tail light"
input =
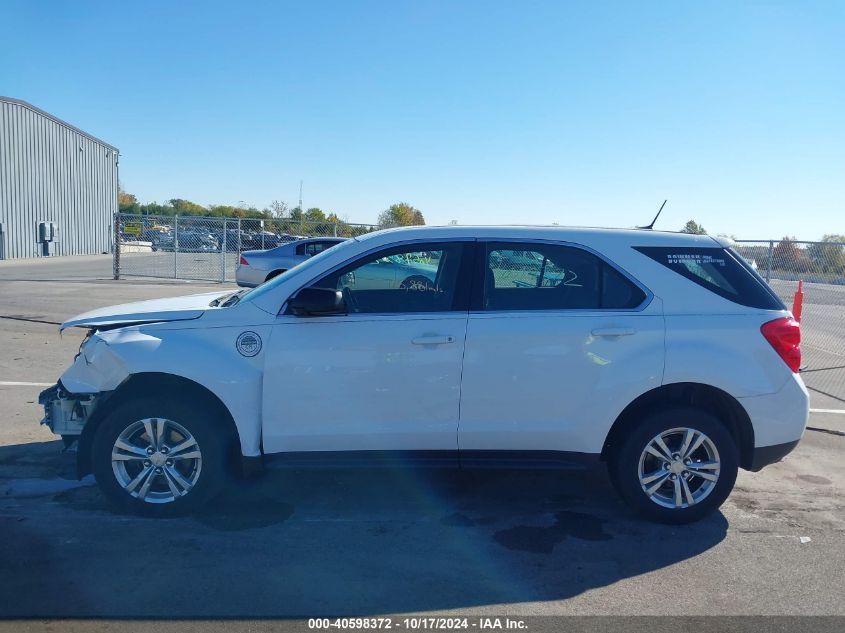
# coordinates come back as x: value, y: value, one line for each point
x: 243, y: 261
x: 784, y: 335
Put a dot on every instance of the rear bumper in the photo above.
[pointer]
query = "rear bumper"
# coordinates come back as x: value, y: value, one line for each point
x: 779, y: 418
x: 765, y: 455
x: 249, y: 276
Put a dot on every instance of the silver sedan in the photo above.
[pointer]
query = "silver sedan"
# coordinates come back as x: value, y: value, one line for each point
x: 256, y: 267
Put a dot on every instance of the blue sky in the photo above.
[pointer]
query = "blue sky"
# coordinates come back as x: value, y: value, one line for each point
x: 482, y: 112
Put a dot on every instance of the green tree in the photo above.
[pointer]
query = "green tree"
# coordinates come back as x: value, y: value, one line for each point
x: 315, y: 214
x: 223, y: 210
x: 126, y: 202
x: 828, y: 256
x: 154, y: 208
x: 788, y: 256
x: 694, y: 227
x: 186, y: 207
x: 401, y: 214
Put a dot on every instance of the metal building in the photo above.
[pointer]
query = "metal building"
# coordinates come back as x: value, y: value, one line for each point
x: 58, y: 185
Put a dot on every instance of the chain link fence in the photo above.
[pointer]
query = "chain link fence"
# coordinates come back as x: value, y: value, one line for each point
x: 206, y: 248
x: 821, y: 268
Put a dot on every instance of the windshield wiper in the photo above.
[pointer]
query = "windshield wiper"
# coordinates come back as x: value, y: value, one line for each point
x: 233, y: 299
x: 216, y: 302
x: 223, y: 300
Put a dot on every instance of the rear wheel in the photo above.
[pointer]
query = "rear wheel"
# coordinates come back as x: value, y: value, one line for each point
x: 159, y: 456
x: 676, y: 466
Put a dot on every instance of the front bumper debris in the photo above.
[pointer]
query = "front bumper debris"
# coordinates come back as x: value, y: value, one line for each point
x: 64, y: 413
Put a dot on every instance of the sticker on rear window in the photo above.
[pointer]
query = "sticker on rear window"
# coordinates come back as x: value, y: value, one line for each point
x: 695, y: 258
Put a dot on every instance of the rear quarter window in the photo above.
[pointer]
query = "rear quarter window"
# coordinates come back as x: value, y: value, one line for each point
x: 719, y: 270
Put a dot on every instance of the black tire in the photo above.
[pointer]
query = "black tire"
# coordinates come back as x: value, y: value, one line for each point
x: 624, y: 464
x: 275, y: 273
x: 213, y: 442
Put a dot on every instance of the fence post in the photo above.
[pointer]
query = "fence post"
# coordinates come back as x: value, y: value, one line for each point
x: 334, y: 228
x: 176, y: 247
x: 239, y: 238
x: 223, y: 253
x: 769, y: 261
x: 262, y: 235
x: 116, y: 254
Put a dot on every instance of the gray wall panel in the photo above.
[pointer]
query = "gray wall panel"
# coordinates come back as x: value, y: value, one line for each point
x: 52, y: 171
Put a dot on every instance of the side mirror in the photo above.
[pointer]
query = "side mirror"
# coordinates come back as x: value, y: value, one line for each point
x: 317, y: 302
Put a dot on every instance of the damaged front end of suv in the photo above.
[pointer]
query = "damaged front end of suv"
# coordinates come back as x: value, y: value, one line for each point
x: 72, y: 402
x: 66, y: 414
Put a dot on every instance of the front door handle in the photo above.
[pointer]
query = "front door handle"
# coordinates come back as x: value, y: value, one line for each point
x: 433, y: 340
x: 614, y: 331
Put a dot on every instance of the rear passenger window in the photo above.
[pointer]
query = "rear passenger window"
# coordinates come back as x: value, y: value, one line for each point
x: 312, y: 248
x: 553, y: 277
x: 315, y: 248
x: 719, y: 270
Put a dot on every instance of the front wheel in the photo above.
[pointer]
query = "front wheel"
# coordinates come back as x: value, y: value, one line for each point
x: 676, y: 466
x: 158, y: 456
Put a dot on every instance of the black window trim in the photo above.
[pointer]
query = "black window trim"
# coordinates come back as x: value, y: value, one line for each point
x: 463, y: 288
x: 477, y: 298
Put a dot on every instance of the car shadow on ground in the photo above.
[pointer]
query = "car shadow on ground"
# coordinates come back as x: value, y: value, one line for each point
x: 312, y: 542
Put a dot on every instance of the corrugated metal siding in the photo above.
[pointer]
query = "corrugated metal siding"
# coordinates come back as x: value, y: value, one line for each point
x: 53, y: 172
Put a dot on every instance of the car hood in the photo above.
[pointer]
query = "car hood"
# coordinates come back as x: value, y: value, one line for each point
x: 155, y: 310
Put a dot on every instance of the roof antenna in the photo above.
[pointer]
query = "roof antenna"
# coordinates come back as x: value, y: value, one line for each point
x: 651, y: 226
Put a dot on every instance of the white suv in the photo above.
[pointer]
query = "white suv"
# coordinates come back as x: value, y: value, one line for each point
x: 664, y: 355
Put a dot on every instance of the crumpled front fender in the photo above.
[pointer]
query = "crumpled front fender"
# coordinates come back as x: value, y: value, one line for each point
x: 98, y: 368
x: 205, y: 356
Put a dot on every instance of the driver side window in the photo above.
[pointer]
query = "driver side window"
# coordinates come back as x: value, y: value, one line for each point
x: 411, y: 278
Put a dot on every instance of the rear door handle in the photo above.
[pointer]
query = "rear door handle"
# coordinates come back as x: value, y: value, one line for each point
x: 433, y: 340
x: 614, y: 331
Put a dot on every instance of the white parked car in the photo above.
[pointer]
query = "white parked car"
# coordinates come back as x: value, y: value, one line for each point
x: 663, y: 354
x: 256, y: 267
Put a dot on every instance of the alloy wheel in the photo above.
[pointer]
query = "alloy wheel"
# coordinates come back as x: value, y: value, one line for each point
x: 156, y: 460
x: 679, y: 468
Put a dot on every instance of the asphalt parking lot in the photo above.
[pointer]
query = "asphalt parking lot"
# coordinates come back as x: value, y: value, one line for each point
x: 383, y: 541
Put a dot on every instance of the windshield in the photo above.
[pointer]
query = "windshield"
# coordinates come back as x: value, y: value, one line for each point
x: 301, y: 269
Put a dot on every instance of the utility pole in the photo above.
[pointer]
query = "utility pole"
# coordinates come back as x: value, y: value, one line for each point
x: 300, y: 198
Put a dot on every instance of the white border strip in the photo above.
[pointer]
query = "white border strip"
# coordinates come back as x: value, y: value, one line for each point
x: 839, y: 411
x: 26, y: 384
